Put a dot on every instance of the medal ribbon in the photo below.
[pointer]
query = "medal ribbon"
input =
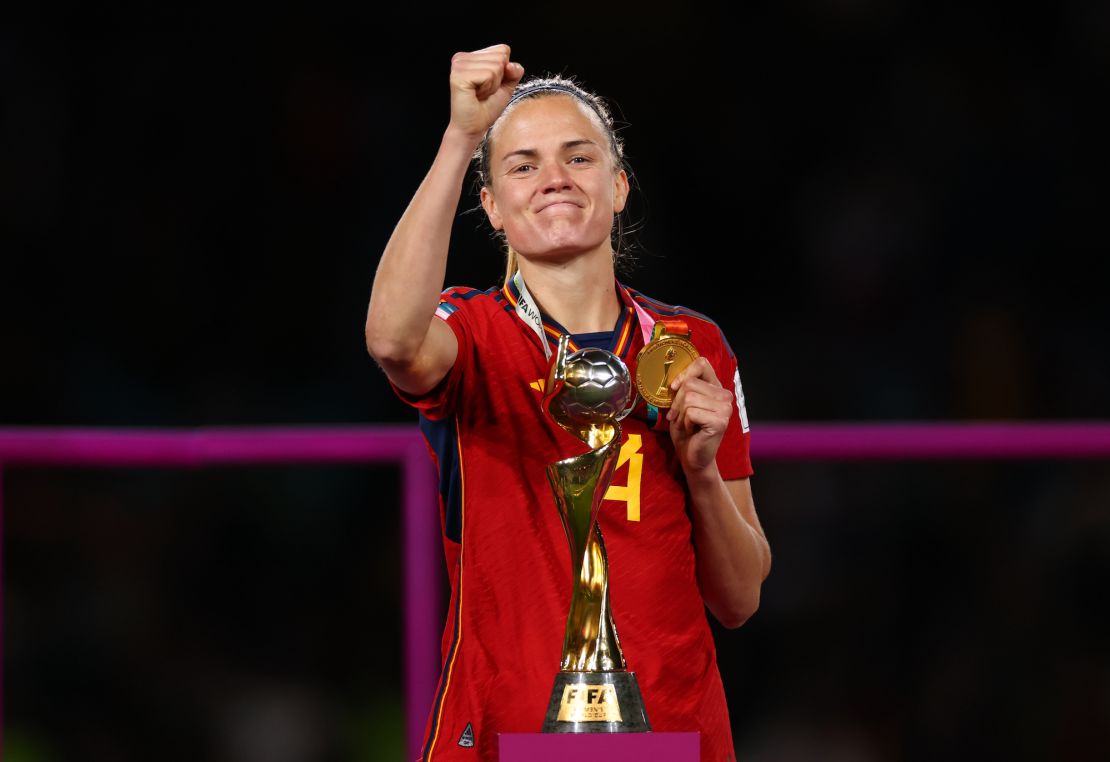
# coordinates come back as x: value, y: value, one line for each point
x: 529, y: 312
x: 642, y: 317
x: 670, y: 327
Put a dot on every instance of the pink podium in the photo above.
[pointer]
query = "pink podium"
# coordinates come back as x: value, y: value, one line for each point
x: 612, y: 747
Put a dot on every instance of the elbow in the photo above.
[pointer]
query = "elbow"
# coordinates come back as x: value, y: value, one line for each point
x: 376, y: 347
x: 738, y: 612
x: 382, y: 340
x: 388, y: 349
x: 734, y: 607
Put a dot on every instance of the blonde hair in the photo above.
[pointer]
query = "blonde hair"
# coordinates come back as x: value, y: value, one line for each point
x: 510, y: 263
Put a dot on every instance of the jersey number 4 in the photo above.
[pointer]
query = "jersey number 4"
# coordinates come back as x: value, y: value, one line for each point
x: 630, y: 492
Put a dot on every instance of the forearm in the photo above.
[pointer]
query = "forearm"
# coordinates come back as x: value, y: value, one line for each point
x: 410, y: 274
x: 733, y: 556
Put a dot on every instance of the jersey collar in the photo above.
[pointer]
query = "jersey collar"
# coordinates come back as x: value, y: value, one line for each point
x: 632, y: 316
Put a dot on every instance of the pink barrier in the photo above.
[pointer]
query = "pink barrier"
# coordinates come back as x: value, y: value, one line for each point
x: 403, y: 445
x: 198, y: 448
x: 1050, y: 440
x: 614, y: 747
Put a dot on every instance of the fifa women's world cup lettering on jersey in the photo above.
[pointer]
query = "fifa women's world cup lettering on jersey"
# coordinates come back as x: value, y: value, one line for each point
x: 506, y: 551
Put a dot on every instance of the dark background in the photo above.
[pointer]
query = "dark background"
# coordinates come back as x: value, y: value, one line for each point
x: 896, y: 211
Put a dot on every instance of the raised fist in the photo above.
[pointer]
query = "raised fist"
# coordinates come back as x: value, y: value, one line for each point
x: 481, y: 84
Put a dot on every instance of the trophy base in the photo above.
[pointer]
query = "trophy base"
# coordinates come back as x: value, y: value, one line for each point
x: 596, y: 702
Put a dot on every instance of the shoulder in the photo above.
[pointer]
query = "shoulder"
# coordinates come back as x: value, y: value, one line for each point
x: 703, y: 328
x: 466, y: 300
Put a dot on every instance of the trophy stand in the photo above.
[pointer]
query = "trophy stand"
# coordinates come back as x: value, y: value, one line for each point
x: 586, y: 394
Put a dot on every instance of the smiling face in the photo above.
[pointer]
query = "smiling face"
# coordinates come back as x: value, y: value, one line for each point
x: 554, y: 184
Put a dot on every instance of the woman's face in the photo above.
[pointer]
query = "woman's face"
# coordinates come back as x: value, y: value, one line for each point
x: 553, y: 185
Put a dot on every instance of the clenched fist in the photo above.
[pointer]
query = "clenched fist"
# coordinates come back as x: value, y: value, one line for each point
x: 481, y: 84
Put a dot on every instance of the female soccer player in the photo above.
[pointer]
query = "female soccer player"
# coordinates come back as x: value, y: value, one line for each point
x: 679, y: 522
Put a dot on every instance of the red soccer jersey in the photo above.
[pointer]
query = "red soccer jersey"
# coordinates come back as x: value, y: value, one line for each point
x: 507, y: 554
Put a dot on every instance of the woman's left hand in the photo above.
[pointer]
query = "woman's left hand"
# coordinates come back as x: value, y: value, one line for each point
x: 698, y: 416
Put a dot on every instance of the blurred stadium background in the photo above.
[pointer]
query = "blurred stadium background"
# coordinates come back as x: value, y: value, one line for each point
x: 896, y: 211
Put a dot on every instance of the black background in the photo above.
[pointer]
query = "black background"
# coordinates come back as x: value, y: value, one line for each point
x: 896, y: 211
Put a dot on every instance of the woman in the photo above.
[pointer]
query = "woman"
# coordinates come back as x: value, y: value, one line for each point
x: 679, y: 523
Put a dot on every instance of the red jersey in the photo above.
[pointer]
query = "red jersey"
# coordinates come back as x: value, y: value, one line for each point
x: 507, y: 554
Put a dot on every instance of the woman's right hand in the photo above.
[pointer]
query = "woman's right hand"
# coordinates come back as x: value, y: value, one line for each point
x: 481, y: 84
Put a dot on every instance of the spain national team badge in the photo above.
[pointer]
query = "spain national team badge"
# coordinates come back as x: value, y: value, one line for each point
x: 669, y: 352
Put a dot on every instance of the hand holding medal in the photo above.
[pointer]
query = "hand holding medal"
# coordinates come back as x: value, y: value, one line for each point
x: 671, y: 374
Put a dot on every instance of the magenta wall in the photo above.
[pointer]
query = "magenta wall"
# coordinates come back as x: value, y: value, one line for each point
x: 198, y: 448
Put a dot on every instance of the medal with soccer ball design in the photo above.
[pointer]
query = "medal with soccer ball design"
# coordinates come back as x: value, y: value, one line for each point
x: 661, y: 360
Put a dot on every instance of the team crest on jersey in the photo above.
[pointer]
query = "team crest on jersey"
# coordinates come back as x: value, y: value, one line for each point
x: 466, y: 740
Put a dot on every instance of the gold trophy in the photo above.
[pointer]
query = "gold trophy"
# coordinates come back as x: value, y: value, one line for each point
x: 587, y: 394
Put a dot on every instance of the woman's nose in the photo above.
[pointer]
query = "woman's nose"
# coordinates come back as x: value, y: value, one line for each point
x: 554, y: 177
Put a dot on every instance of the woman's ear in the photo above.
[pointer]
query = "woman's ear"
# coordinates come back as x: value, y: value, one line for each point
x: 486, y: 197
x: 620, y: 191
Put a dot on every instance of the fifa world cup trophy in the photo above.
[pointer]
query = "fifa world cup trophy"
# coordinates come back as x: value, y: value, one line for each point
x: 587, y: 394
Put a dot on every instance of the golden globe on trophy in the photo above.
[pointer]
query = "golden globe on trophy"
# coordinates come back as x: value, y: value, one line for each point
x: 587, y: 393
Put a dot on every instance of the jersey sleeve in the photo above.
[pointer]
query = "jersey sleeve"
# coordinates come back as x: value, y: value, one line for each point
x: 439, y: 402
x: 733, y: 456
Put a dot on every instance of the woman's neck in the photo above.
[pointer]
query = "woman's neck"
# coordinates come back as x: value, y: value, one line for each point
x: 578, y: 294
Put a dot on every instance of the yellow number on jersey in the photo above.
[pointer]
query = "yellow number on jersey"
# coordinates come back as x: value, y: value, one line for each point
x: 630, y: 493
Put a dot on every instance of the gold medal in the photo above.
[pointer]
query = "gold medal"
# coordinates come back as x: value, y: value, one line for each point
x: 661, y: 360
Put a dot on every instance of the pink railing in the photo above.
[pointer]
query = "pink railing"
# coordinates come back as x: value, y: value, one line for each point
x: 404, y: 446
